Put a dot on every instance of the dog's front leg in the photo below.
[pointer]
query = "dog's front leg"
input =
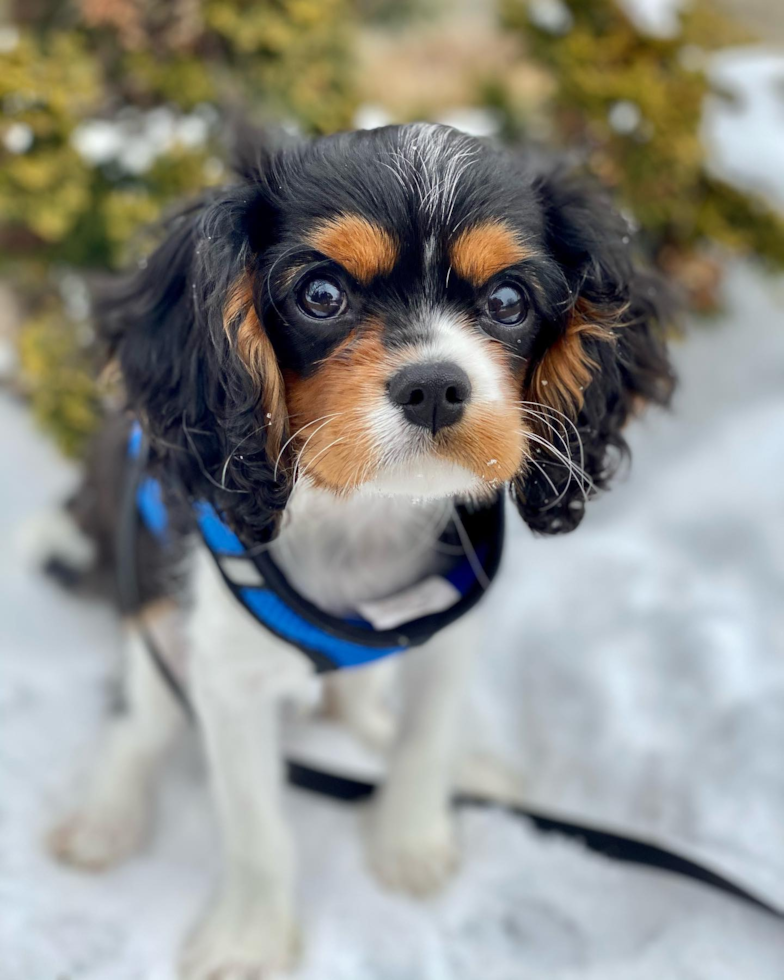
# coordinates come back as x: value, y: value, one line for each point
x: 238, y: 677
x: 412, y: 841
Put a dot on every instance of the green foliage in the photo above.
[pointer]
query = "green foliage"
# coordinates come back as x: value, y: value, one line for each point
x: 130, y: 74
x: 59, y: 372
x: 602, y: 65
x: 45, y: 86
x: 291, y: 55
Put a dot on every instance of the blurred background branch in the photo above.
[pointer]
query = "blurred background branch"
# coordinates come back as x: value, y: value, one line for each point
x: 114, y: 109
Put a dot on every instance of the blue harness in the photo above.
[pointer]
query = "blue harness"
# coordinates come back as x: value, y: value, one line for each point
x: 330, y: 642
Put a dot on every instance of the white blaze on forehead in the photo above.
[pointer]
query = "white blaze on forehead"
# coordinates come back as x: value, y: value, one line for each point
x: 449, y: 339
x: 430, y: 250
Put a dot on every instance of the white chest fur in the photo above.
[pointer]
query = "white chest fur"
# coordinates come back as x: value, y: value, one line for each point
x: 339, y: 552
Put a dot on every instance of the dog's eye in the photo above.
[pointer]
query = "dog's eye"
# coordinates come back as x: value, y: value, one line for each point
x: 321, y: 298
x: 507, y: 304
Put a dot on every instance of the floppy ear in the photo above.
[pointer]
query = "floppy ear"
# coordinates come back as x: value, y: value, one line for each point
x: 603, y: 358
x: 199, y: 370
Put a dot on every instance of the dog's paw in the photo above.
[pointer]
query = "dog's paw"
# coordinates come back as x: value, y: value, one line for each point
x: 374, y: 725
x: 234, y: 943
x: 416, y: 857
x: 97, y: 838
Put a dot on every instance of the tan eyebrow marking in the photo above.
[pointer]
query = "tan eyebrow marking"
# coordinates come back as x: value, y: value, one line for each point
x: 479, y: 252
x: 363, y: 249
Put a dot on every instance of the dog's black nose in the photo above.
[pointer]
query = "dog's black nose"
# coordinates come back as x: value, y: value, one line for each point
x: 431, y: 395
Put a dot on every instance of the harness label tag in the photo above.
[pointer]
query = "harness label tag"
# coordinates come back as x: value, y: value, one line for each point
x: 432, y: 595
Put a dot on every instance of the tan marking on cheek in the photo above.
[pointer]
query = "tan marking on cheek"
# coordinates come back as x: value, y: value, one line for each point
x: 339, y: 452
x: 489, y: 441
x: 566, y: 370
x: 480, y: 252
x: 247, y: 335
x: 364, y: 249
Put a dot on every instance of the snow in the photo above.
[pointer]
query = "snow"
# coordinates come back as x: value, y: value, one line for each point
x: 657, y: 18
x: 136, y: 139
x: 743, y: 117
x: 552, y: 16
x: 634, y: 674
x: 18, y: 138
x: 624, y: 117
x: 743, y: 129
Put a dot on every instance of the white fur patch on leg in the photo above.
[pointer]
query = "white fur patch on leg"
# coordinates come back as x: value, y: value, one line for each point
x: 412, y: 854
x: 100, y: 836
x: 242, y: 937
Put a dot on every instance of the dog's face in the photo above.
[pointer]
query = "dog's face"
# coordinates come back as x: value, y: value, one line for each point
x: 406, y: 311
x: 402, y: 308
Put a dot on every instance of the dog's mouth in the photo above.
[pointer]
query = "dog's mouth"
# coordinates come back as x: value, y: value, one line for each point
x: 429, y: 478
x: 384, y: 453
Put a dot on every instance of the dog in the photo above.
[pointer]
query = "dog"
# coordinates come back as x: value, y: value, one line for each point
x: 350, y: 355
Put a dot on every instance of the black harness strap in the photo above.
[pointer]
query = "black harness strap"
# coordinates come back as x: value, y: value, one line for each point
x: 618, y: 847
x: 127, y: 573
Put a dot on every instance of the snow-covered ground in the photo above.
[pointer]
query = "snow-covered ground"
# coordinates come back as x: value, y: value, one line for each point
x: 634, y: 674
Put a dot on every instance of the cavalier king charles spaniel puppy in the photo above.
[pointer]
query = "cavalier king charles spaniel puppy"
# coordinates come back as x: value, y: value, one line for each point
x: 366, y: 336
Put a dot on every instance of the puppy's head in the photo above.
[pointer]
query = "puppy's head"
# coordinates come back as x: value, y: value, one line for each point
x: 408, y: 311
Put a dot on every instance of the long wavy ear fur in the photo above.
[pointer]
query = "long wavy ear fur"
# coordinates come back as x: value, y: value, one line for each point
x: 198, y: 368
x: 608, y: 357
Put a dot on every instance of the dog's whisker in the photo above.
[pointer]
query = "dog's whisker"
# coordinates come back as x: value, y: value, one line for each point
x: 563, y: 435
x: 544, y: 474
x: 566, y: 420
x: 583, y: 478
x: 204, y: 472
x: 268, y: 281
x: 536, y: 437
x: 294, y: 436
x: 307, y: 442
x: 234, y: 450
x: 300, y: 473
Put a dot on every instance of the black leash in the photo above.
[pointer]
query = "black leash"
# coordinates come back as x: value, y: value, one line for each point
x: 618, y: 847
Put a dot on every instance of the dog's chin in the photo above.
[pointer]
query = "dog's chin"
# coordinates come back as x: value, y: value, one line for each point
x: 428, y: 479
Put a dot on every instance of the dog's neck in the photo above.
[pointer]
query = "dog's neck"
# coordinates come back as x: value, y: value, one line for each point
x: 341, y: 551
